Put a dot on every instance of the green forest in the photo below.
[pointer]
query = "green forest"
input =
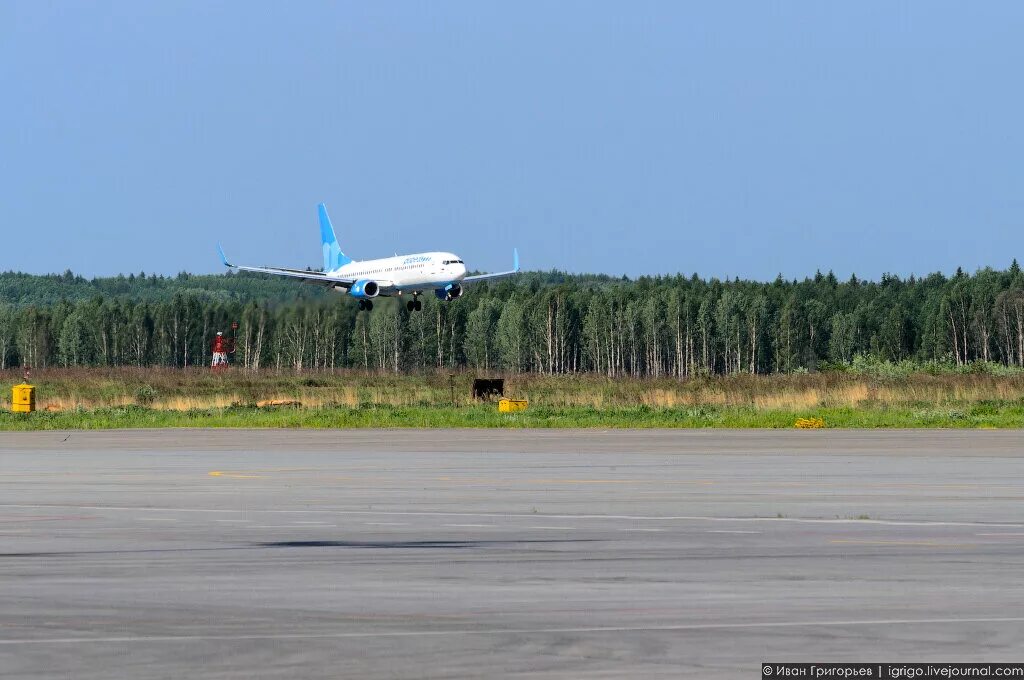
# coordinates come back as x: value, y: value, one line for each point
x: 548, y: 323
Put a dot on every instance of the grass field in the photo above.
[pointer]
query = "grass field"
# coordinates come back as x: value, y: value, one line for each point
x: 128, y: 397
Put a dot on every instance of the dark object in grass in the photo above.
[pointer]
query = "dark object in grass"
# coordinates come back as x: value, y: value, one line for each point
x: 485, y: 388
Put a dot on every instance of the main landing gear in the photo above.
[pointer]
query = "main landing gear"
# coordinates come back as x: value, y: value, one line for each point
x: 414, y: 305
x: 365, y: 305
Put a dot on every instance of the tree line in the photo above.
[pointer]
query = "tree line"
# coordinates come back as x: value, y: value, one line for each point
x: 538, y: 322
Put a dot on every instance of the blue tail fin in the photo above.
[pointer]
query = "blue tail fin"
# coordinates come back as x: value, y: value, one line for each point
x: 223, y: 257
x: 333, y: 257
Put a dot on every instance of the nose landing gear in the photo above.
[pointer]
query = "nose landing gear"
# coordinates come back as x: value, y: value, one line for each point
x: 365, y: 305
x: 414, y: 305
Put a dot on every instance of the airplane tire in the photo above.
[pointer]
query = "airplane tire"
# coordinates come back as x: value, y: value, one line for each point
x: 362, y: 305
x: 369, y: 305
x: 410, y: 305
x: 419, y: 305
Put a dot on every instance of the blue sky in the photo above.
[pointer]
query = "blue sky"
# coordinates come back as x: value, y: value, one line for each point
x: 726, y: 138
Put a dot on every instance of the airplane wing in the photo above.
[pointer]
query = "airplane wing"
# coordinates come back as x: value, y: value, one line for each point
x: 305, y: 276
x: 497, y: 275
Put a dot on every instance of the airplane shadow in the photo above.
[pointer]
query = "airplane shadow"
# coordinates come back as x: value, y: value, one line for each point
x: 443, y: 545
x: 447, y: 545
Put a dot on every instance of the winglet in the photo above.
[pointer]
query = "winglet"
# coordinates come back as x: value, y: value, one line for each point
x: 223, y: 257
x: 515, y: 259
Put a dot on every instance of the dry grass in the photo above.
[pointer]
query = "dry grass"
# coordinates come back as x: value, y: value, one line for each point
x: 182, y: 390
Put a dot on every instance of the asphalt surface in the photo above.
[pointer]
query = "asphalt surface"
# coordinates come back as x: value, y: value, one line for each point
x: 554, y: 554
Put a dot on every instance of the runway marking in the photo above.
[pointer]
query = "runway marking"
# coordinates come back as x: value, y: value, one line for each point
x: 232, y: 475
x: 510, y: 631
x: 731, y: 531
x: 554, y: 528
x: 281, y: 526
x: 388, y: 524
x: 467, y: 525
x: 927, y: 544
x: 240, y: 521
x: 1009, y: 533
x: 155, y: 519
x: 318, y: 523
x: 499, y: 515
x: 640, y: 529
x: 43, y: 518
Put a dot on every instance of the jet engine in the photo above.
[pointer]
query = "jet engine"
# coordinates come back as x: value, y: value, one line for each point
x: 364, y: 288
x: 450, y: 292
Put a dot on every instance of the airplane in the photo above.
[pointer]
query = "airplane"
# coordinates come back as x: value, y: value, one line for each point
x: 444, y: 273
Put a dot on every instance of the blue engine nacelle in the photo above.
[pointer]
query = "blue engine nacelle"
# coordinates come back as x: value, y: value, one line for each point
x: 364, y: 288
x: 449, y: 292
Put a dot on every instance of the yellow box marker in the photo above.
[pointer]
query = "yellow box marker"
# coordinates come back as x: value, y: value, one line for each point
x: 810, y: 423
x: 23, y: 398
x: 510, y: 405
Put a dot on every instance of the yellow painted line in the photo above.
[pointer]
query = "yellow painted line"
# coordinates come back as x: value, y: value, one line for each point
x: 232, y: 475
x: 927, y: 544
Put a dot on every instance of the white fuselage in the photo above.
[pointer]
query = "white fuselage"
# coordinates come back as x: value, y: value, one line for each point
x: 417, y: 272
